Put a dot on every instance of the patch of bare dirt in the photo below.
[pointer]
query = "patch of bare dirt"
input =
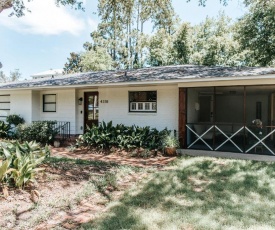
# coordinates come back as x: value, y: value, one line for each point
x: 64, y: 196
x: 119, y: 157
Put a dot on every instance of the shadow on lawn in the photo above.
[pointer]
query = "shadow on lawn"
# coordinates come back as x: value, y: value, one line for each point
x: 76, y: 169
x: 206, y: 194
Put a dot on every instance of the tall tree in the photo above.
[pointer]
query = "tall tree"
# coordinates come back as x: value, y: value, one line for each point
x: 73, y: 65
x: 256, y: 32
x: 14, y: 76
x: 213, y: 43
x: 121, y: 27
x: 182, y: 44
x: 3, y: 77
x: 93, y: 59
x: 96, y: 60
x: 19, y: 6
x: 161, y: 50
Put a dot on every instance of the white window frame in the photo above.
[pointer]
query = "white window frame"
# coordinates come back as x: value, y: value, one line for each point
x: 143, y: 106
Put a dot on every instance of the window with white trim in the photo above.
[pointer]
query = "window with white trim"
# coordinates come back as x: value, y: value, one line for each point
x: 143, y: 101
x: 49, y: 102
x: 4, y: 106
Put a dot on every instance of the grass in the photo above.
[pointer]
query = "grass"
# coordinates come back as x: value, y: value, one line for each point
x: 197, y: 193
x: 99, y: 177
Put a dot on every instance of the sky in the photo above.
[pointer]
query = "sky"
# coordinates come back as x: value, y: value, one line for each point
x: 43, y: 39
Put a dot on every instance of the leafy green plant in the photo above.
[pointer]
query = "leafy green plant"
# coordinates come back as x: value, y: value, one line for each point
x: 171, y: 141
x: 107, y: 136
x: 4, y: 129
x: 4, y: 169
x: 19, y: 161
x: 40, y: 131
x: 15, y: 119
x: 25, y: 168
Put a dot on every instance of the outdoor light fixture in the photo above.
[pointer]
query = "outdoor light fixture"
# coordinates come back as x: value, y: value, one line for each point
x: 80, y: 101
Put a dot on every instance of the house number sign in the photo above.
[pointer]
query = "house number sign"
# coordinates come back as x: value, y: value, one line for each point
x: 103, y: 101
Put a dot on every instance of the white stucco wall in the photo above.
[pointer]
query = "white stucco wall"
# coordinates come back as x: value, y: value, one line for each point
x: 117, y: 108
x: 35, y: 106
x: 65, y: 107
x: 29, y: 104
x: 21, y: 104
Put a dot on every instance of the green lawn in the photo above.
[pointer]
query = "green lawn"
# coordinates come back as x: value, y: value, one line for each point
x: 198, y: 193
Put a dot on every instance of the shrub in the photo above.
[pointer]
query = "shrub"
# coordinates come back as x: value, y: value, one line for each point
x: 4, y: 170
x: 15, y: 119
x: 4, y: 129
x: 125, y: 137
x: 40, y: 131
x: 171, y: 141
x: 19, y: 162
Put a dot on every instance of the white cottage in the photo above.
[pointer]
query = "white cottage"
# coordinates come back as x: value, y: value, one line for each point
x: 211, y: 108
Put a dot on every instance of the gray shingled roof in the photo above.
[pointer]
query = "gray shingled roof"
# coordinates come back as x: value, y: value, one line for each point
x: 151, y: 74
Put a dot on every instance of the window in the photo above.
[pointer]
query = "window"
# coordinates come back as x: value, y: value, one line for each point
x: 49, y: 103
x: 143, y: 101
x: 4, y: 106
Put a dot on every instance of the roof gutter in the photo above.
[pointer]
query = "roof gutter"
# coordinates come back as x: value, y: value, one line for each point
x: 185, y: 82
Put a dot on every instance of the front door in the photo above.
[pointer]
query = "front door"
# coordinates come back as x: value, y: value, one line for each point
x: 90, y: 109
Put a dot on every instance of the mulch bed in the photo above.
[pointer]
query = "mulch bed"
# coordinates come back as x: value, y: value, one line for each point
x: 64, y: 180
x: 119, y: 157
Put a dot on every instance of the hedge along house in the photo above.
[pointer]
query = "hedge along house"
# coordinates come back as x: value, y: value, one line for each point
x: 211, y: 108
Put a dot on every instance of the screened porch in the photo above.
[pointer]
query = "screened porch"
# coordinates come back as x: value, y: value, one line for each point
x: 231, y: 119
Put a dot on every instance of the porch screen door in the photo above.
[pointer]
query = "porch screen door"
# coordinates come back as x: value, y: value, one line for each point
x: 206, y: 111
x: 90, y: 109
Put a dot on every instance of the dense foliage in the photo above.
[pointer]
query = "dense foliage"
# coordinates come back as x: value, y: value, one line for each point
x: 94, y: 59
x: 121, y: 29
x: 4, y: 129
x: 19, y: 8
x: 15, y: 119
x: 256, y: 32
x: 40, y: 131
x: 74, y: 63
x: 18, y: 162
x: 215, y: 41
x: 106, y: 136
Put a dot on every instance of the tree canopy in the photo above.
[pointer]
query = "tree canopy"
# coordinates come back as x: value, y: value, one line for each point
x: 19, y: 8
x: 120, y: 41
x: 256, y: 32
x: 93, y: 59
x: 250, y: 41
